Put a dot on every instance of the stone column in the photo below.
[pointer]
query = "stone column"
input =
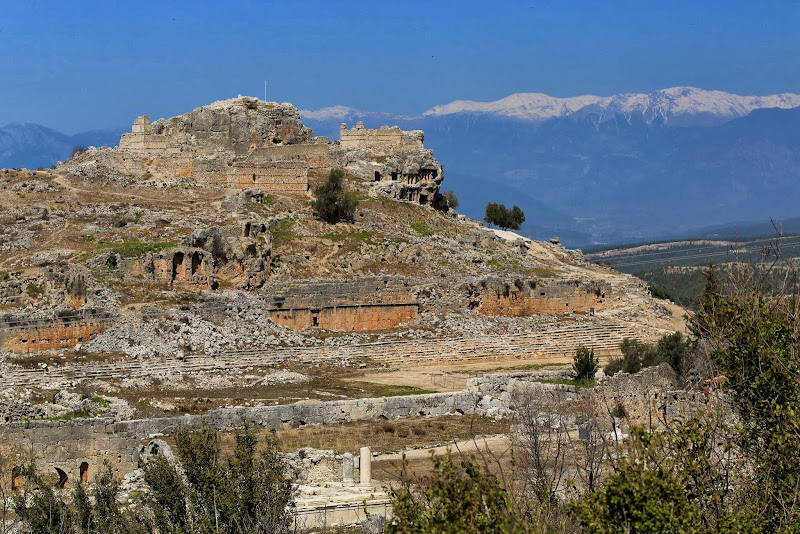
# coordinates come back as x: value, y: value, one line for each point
x: 365, y: 465
x: 347, y: 468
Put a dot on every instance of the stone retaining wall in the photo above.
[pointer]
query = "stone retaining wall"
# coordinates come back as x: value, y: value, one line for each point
x: 79, y: 447
x: 518, y: 298
x: 36, y: 338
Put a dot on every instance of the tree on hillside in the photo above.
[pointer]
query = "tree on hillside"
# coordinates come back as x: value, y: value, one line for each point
x: 248, y: 492
x: 503, y: 217
x: 459, y: 496
x: 585, y: 364
x: 452, y: 199
x: 332, y: 203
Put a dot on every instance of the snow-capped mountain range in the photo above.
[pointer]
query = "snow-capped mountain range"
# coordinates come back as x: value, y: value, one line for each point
x: 665, y: 105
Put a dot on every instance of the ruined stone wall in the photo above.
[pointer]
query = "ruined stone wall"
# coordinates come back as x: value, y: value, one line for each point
x: 352, y: 318
x: 225, y: 143
x: 518, y: 298
x: 270, y: 177
x: 23, y: 340
x: 77, y: 448
x: 68, y: 444
x: 383, y: 141
x: 314, y: 156
x: 370, y: 303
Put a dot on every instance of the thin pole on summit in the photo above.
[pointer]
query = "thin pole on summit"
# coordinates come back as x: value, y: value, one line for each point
x: 265, y: 90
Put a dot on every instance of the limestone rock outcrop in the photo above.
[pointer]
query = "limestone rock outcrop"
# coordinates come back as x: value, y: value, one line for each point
x: 241, y: 142
x: 237, y: 255
x: 395, y: 161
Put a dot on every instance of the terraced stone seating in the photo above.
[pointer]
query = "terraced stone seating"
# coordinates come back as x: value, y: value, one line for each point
x: 546, y: 341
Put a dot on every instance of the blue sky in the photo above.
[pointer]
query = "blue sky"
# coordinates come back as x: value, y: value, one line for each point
x: 79, y: 65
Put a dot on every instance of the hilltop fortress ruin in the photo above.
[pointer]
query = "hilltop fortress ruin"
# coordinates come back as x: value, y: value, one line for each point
x: 246, y: 143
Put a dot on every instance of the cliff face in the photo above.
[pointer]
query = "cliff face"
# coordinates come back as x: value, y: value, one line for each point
x: 237, y: 125
x: 394, y: 161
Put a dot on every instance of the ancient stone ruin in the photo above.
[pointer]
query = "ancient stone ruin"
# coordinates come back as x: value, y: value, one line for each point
x: 519, y: 297
x: 394, y: 159
x: 367, y: 304
x: 246, y: 143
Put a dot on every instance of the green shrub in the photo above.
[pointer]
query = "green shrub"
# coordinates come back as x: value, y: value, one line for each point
x: 249, y: 492
x: 457, y: 497
x: 503, y: 217
x: 422, y: 228
x: 34, y: 290
x: 585, y: 364
x: 452, y: 199
x: 332, y: 203
x: 675, y: 349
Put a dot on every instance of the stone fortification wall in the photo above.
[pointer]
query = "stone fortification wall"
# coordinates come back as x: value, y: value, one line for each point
x: 351, y: 318
x: 315, y: 156
x: 79, y: 447
x: 25, y: 336
x: 384, y: 141
x: 270, y: 176
x: 76, y: 448
x: 394, y: 160
x: 516, y: 298
x: 379, y: 303
x: 239, y: 143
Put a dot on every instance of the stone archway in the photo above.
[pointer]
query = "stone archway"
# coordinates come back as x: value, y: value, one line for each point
x: 84, y: 472
x: 62, y: 478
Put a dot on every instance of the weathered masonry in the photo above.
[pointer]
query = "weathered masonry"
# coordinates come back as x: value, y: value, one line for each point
x: 30, y: 335
x: 237, y: 143
x: 75, y: 450
x: 384, y: 141
x: 365, y: 304
x: 516, y: 298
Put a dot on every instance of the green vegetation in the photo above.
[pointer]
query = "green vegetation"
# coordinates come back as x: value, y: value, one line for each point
x: 684, y: 284
x: 282, y: 231
x: 705, y: 472
x: 34, y: 290
x: 585, y: 364
x: 332, y: 203
x: 503, y: 217
x: 248, y: 492
x: 422, y: 228
x: 134, y: 249
x: 101, y: 402
x: 452, y: 199
x: 459, y: 496
x: 640, y: 496
x: 674, y: 349
x: 251, y: 490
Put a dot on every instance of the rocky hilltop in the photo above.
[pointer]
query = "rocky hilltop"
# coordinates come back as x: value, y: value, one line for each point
x: 188, y: 259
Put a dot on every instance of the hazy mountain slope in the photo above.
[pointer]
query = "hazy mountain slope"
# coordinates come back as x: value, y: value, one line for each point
x: 31, y: 145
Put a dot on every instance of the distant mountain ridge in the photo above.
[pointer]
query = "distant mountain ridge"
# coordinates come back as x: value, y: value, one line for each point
x: 624, y: 168
x: 662, y: 105
x: 31, y: 145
